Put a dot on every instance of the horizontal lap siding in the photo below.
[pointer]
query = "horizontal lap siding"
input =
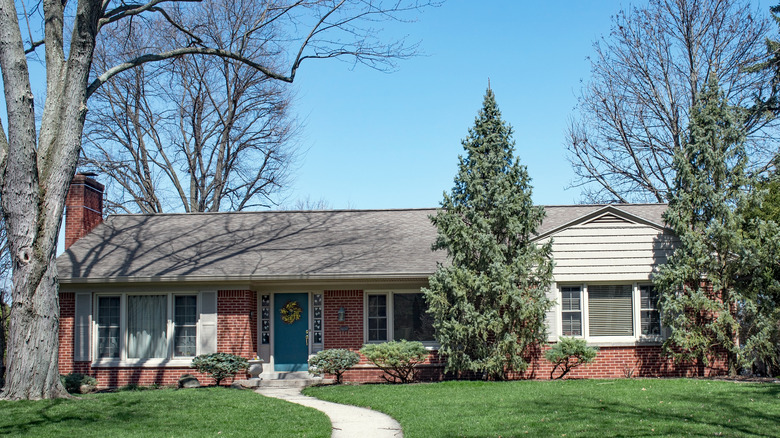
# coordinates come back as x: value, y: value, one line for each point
x: 609, y: 251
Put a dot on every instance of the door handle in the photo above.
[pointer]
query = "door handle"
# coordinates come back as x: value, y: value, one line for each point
x: 307, y: 338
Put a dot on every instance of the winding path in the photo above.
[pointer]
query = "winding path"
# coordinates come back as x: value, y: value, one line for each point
x: 348, y: 421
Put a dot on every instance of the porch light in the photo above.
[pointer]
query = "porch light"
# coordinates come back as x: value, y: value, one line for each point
x: 342, y: 314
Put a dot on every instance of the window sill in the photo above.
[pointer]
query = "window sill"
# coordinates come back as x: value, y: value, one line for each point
x: 650, y: 341
x: 140, y: 363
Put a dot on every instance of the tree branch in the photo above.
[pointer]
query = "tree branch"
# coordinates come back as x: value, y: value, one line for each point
x: 143, y: 59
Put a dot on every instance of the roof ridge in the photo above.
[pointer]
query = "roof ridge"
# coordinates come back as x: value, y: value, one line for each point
x: 216, y: 213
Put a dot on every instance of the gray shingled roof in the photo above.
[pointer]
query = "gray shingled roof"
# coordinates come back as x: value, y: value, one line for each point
x: 268, y: 245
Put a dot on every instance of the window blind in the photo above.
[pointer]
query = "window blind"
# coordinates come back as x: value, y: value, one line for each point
x: 610, y: 310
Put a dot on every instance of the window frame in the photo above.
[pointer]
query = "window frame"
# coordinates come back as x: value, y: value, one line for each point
x: 661, y: 331
x: 170, y: 358
x: 580, y: 310
x: 390, y: 315
x: 636, y: 338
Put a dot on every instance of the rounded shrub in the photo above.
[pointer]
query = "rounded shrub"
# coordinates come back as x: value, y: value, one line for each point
x: 219, y: 365
x: 398, y: 359
x: 333, y: 361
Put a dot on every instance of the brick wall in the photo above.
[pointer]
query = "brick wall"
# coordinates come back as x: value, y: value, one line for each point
x: 611, y: 362
x: 237, y: 322
x: 347, y: 333
x: 66, y: 337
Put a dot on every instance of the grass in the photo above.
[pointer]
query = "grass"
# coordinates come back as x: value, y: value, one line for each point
x: 199, y: 412
x: 573, y: 408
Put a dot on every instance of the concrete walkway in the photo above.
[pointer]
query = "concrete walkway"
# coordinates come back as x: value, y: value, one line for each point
x: 347, y: 421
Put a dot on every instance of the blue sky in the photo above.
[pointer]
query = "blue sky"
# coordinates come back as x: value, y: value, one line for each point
x: 391, y: 140
x: 379, y: 140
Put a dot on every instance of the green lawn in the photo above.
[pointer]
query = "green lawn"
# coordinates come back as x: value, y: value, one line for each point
x: 601, y: 408
x: 203, y: 412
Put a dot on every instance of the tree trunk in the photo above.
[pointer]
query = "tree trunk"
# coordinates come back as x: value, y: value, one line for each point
x: 32, y: 372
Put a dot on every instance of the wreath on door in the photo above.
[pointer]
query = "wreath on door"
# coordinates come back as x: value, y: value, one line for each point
x: 291, y: 312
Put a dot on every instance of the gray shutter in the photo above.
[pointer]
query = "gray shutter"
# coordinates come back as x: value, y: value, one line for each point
x: 551, y: 317
x: 207, y: 335
x: 81, y: 327
x: 610, y: 312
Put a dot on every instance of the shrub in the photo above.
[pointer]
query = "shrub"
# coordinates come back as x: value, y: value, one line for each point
x: 569, y: 353
x: 333, y: 361
x: 73, y: 381
x: 398, y: 359
x: 219, y: 365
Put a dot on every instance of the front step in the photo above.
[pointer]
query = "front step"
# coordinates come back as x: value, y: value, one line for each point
x: 291, y: 380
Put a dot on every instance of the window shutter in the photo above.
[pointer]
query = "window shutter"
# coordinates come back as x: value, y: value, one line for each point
x: 610, y: 310
x: 207, y: 334
x: 551, y: 317
x: 81, y: 327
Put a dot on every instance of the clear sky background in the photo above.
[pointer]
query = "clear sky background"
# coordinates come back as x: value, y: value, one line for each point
x: 391, y: 140
x: 378, y: 140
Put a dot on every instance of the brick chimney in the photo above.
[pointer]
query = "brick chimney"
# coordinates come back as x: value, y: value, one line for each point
x: 84, y: 207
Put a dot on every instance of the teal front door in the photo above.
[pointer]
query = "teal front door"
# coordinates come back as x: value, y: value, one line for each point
x: 291, y: 339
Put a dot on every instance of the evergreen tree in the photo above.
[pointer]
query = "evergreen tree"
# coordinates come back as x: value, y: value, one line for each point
x: 760, y: 278
x: 489, y: 304
x: 703, y: 286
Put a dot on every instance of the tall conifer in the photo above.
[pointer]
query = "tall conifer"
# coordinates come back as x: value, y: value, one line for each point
x: 489, y: 304
x: 703, y: 285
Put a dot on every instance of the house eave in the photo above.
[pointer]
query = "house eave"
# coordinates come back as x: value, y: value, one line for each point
x: 254, y: 279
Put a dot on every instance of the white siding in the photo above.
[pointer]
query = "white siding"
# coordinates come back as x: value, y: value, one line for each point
x: 609, y: 250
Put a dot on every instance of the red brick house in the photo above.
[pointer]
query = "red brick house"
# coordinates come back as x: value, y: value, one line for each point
x: 141, y: 295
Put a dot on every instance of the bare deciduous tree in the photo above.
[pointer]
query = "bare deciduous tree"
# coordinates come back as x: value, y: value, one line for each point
x: 194, y: 134
x: 5, y: 282
x: 38, y: 155
x: 645, y: 78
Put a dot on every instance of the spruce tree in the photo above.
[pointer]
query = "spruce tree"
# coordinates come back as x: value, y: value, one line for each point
x: 704, y: 292
x: 489, y: 303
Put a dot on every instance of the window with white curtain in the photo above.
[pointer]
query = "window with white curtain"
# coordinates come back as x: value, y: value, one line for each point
x: 146, y: 326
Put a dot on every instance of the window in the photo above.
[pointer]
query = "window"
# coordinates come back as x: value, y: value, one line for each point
x: 410, y: 319
x: 571, y: 310
x: 610, y: 310
x: 610, y: 313
x: 377, y: 317
x: 138, y: 327
x: 650, y: 317
x: 108, y: 327
x: 397, y: 316
x: 185, y: 319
